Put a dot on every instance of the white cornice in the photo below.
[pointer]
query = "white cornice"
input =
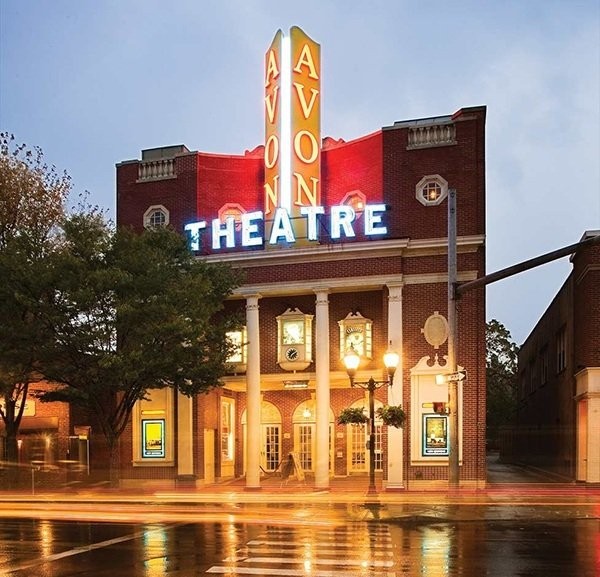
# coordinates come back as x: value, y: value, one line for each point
x: 345, y: 251
x: 346, y: 284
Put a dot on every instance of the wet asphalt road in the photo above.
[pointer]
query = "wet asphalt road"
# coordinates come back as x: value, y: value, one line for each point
x: 317, y: 540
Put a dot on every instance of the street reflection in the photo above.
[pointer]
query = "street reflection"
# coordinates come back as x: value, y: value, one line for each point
x: 428, y: 541
x: 436, y: 543
x: 46, y: 536
x: 154, y: 541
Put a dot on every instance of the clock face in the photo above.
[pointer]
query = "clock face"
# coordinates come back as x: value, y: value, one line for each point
x: 292, y: 354
x: 293, y: 332
x: 355, y: 338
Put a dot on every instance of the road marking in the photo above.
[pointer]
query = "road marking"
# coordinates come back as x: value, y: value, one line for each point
x: 301, y: 548
x: 79, y: 550
x: 341, y: 558
x: 340, y: 545
x: 316, y: 561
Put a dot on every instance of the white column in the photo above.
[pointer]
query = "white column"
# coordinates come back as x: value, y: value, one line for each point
x: 395, y: 479
x: 253, y: 394
x: 185, y: 436
x: 322, y: 388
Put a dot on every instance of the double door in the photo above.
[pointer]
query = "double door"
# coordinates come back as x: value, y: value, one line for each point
x: 358, y: 448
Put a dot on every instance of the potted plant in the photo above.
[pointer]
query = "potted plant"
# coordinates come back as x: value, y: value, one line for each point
x: 392, y: 415
x: 352, y: 416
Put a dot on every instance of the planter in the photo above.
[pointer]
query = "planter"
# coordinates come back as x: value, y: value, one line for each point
x: 353, y: 416
x: 392, y: 415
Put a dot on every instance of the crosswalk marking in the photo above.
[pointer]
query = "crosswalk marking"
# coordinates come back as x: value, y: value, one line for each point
x: 353, y: 545
x: 367, y: 550
x: 319, y: 561
x: 336, y: 551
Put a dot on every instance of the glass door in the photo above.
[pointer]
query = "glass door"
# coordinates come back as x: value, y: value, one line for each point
x: 271, y: 447
x: 358, y: 450
x: 306, y: 446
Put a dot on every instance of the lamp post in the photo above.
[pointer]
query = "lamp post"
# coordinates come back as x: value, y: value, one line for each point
x: 351, y: 362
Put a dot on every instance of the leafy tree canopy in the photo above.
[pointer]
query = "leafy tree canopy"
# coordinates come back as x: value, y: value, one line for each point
x: 33, y: 193
x: 32, y: 205
x: 501, y: 374
x: 130, y: 313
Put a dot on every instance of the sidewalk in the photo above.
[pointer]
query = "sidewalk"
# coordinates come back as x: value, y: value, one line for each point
x: 503, y: 481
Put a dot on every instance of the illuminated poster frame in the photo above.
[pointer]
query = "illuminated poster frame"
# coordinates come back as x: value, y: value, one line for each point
x: 436, y: 441
x: 153, y: 438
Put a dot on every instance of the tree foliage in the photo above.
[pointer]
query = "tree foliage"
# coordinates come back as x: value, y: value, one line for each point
x: 130, y: 313
x: 33, y: 193
x: 33, y: 196
x: 501, y: 374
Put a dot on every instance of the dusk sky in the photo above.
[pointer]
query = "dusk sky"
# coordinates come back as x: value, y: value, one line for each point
x: 93, y: 83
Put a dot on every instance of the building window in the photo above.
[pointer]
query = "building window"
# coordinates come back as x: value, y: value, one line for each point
x: 432, y: 190
x: 156, y: 216
x: 237, y: 339
x: 522, y: 387
x: 532, y: 386
x: 561, y: 350
x: 232, y: 210
x: 238, y: 357
x: 544, y: 366
x: 355, y: 199
x: 227, y: 429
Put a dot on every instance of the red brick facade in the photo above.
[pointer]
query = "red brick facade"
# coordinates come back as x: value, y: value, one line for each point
x: 384, y: 167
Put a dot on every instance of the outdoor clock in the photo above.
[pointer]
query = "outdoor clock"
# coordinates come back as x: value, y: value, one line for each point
x: 292, y: 354
x: 294, y: 340
x: 356, y: 332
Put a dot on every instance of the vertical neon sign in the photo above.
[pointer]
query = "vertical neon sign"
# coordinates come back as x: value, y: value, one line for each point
x: 292, y: 130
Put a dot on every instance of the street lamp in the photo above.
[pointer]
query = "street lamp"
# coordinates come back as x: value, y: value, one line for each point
x: 351, y: 362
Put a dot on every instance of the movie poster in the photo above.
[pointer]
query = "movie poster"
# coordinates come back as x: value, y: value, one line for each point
x: 435, y: 435
x: 153, y: 438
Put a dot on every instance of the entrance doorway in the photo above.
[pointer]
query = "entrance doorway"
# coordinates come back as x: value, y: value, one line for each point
x: 270, y: 437
x: 270, y: 452
x: 305, y: 435
x: 358, y: 439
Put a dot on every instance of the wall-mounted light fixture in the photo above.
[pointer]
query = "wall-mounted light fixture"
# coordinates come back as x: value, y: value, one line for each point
x: 295, y: 384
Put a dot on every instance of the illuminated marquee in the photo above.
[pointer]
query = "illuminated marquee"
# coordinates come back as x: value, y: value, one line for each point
x: 292, y: 157
x: 341, y: 224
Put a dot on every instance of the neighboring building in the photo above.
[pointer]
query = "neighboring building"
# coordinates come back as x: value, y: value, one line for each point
x: 558, y: 418
x: 342, y: 243
x: 46, y: 449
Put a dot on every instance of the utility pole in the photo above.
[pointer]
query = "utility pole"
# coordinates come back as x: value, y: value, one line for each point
x: 453, y: 462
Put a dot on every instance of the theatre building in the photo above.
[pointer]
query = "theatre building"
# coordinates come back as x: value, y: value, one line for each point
x: 343, y: 245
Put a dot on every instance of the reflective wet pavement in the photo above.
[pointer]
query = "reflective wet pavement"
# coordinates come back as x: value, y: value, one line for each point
x: 516, y: 527
x: 412, y: 546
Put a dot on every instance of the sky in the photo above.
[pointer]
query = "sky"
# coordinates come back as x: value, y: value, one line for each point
x: 95, y: 82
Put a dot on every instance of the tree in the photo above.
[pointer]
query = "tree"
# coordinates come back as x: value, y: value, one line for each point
x: 131, y: 313
x: 501, y: 374
x: 32, y: 204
